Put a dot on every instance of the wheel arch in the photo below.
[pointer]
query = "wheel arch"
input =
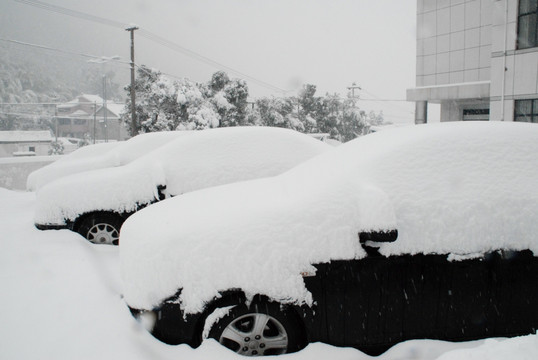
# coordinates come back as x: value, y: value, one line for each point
x: 238, y: 297
x: 76, y: 224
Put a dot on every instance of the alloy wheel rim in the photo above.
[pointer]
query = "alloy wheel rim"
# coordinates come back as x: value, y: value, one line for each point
x: 255, y: 335
x: 103, y: 233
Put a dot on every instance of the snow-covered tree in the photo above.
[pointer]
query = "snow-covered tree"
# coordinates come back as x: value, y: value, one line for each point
x: 279, y: 112
x: 329, y: 115
x: 86, y: 140
x: 353, y: 122
x: 375, y: 119
x: 164, y: 104
x: 56, y: 148
x: 314, y: 114
x: 308, y: 108
x: 236, y: 94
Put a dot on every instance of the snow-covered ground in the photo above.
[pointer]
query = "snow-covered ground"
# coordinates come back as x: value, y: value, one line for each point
x: 61, y: 299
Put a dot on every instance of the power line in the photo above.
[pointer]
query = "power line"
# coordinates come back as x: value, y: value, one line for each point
x: 148, y: 71
x: 60, y: 103
x: 43, y: 47
x: 73, y: 13
x: 178, y: 48
x: 67, y: 52
x: 395, y: 106
x: 43, y: 103
x: 150, y: 36
x: 387, y: 100
x: 26, y: 114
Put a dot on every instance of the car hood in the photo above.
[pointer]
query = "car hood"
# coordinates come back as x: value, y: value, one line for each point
x: 118, y: 189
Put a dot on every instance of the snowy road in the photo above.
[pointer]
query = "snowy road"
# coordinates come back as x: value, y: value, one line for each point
x: 61, y: 299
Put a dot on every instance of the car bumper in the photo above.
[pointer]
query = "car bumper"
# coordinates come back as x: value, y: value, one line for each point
x: 169, y: 325
x: 52, y: 226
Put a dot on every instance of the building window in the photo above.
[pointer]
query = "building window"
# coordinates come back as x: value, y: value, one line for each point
x: 31, y: 148
x: 475, y: 114
x: 527, y: 28
x: 526, y: 110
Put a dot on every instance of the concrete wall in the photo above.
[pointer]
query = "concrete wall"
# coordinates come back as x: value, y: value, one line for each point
x: 7, y: 149
x: 518, y: 69
x: 452, y: 110
x: 464, y: 43
x: 15, y: 171
x: 453, y: 41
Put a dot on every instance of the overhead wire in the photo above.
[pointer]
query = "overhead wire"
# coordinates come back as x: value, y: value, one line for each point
x: 165, y: 43
x: 178, y: 48
x: 143, y: 68
x: 150, y: 36
x: 78, y: 14
x: 393, y: 104
x: 384, y: 100
x: 60, y: 103
x: 377, y: 98
x: 43, y: 47
x: 26, y: 114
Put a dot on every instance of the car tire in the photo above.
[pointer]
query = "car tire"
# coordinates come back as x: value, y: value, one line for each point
x: 101, y: 228
x: 261, y: 329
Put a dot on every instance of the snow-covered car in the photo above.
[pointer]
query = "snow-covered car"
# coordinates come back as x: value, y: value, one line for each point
x: 99, y: 156
x: 96, y: 203
x: 423, y: 231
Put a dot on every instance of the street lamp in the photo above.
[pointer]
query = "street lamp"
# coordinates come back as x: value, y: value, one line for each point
x: 103, y: 60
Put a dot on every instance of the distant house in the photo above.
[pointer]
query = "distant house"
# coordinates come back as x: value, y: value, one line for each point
x: 109, y: 125
x: 86, y: 116
x: 25, y: 143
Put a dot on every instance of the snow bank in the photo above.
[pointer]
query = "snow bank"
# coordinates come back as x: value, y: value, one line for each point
x: 520, y: 348
x: 202, y: 159
x: 100, y: 156
x: 455, y: 188
x: 15, y: 170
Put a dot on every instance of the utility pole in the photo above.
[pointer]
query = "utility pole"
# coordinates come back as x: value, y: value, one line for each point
x: 352, y: 88
x: 105, y: 111
x: 94, y: 119
x: 56, y: 122
x: 103, y: 60
x: 134, y: 125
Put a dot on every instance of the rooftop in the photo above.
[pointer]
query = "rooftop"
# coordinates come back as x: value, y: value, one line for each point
x: 25, y: 136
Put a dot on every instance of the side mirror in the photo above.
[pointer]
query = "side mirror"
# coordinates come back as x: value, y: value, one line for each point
x: 378, y: 236
x: 371, y: 240
x: 161, y: 192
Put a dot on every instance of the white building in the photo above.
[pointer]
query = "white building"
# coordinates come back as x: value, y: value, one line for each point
x: 478, y: 59
x: 24, y: 143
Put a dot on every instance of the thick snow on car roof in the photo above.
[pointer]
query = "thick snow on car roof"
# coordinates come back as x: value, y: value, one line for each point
x: 100, y: 156
x: 453, y: 188
x: 202, y: 159
x: 89, y: 151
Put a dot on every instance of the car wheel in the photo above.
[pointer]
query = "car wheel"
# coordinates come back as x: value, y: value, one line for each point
x: 262, y: 329
x: 101, y: 228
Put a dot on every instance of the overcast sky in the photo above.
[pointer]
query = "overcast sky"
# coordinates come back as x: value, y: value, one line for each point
x: 281, y: 44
